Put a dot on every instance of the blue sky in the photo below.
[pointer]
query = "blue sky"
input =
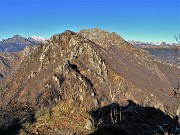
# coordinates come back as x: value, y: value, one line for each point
x: 145, y: 20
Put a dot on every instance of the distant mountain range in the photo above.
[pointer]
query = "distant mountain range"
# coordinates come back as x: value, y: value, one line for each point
x: 151, y: 44
x: 18, y: 43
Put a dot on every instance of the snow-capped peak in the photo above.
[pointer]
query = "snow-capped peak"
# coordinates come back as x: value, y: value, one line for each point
x: 40, y: 39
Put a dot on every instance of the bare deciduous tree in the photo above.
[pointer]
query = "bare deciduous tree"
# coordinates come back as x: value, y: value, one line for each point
x: 115, y: 110
x: 177, y: 38
x: 177, y: 60
x: 116, y: 91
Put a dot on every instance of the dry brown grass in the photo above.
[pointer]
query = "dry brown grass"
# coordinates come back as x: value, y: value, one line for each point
x: 62, y: 117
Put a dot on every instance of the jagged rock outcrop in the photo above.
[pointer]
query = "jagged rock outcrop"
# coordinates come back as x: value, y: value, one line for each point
x: 44, y: 83
x: 8, y: 62
x: 89, y: 69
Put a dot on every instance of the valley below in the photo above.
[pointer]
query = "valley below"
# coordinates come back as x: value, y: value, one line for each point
x: 168, y: 54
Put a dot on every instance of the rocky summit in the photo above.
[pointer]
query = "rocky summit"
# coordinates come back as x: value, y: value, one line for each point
x: 61, y: 86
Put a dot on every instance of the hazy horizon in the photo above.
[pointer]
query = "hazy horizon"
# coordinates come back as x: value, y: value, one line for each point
x: 89, y: 28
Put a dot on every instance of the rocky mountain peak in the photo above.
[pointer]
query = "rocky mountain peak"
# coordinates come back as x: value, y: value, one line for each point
x: 104, y: 38
x: 15, y: 39
x: 16, y: 36
x: 62, y: 36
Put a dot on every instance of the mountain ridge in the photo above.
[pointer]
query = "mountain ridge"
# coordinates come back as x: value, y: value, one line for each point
x: 141, y: 56
x: 152, y: 44
x: 88, y: 70
x: 18, y: 43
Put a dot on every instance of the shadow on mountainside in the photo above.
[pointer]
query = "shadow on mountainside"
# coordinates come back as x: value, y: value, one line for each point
x: 132, y: 119
x: 13, y: 116
x: 112, y: 119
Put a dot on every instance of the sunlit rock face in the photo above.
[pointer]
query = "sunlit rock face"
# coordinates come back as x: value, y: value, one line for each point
x: 91, y: 68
